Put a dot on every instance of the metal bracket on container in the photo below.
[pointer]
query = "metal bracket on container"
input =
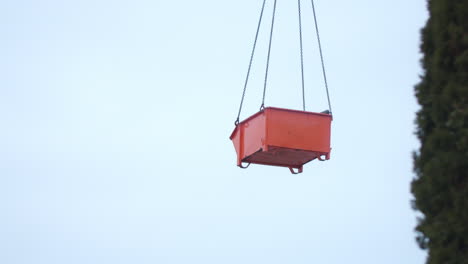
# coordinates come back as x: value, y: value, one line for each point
x: 244, y: 167
x: 299, y: 170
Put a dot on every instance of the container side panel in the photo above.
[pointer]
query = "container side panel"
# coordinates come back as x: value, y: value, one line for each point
x: 254, y: 134
x: 236, y: 139
x: 298, y: 130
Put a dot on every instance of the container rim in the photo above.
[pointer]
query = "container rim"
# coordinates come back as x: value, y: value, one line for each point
x: 275, y: 109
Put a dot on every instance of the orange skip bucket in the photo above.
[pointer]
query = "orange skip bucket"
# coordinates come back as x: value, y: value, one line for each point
x: 282, y: 137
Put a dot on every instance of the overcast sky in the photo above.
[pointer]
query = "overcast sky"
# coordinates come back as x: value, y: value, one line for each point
x: 115, y: 121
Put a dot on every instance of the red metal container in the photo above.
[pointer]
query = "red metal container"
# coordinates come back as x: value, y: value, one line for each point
x: 282, y: 137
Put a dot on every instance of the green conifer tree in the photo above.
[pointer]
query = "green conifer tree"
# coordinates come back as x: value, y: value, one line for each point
x: 440, y: 187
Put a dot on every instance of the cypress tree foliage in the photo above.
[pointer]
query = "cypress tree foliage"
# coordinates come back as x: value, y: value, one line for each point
x: 440, y: 187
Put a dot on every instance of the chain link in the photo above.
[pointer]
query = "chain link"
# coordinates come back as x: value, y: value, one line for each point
x: 321, y: 57
x: 268, y: 58
x: 250, y: 62
x: 302, y: 54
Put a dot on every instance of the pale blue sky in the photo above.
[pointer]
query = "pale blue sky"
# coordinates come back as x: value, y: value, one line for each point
x: 115, y: 118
